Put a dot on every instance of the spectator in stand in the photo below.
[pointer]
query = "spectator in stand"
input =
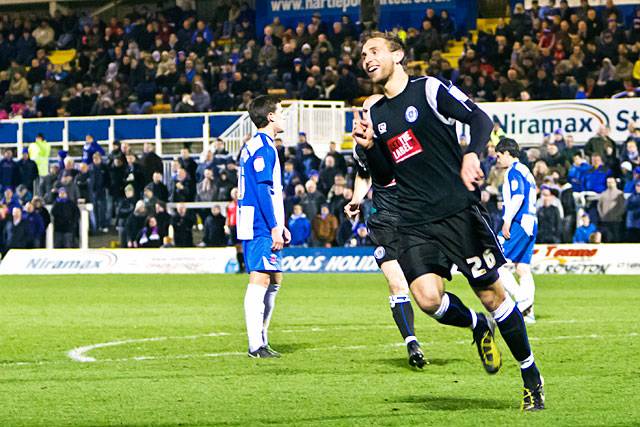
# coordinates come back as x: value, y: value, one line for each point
x: 134, y: 224
x: 82, y: 181
x: 312, y: 200
x: 300, y: 227
x: 124, y: 209
x: 39, y: 152
x: 633, y: 215
x: 325, y: 227
x: 225, y: 185
x: 98, y: 185
x: 207, y: 190
x: 600, y: 142
x: 630, y: 153
x: 549, y: 219
x: 18, y: 232
x: 611, y: 212
x: 4, y: 222
x: 158, y: 188
x: 27, y: 170
x: 9, y: 173
x: 163, y: 218
x: 47, y: 184
x: 66, y: 217
x: 182, y: 188
x: 577, y: 172
x: 117, y: 181
x: 347, y: 230
x: 327, y: 174
x: 40, y: 209
x: 361, y: 237
x: 149, y: 237
x: 585, y: 230
x: 10, y: 199
x: 36, y: 225
x: 595, y: 178
x: 214, y: 234
x: 182, y: 224
x: 89, y: 148
x: 188, y: 163
x: 150, y: 162
x: 337, y: 200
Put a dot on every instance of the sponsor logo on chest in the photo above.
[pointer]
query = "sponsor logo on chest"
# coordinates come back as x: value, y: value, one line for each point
x: 404, y: 146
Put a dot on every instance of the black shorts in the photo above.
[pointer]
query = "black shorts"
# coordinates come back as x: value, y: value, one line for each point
x: 464, y: 239
x: 383, y: 232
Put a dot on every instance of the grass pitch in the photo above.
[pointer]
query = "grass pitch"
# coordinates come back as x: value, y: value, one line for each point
x: 173, y: 353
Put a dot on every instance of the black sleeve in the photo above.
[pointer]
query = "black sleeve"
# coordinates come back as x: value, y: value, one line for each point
x: 360, y: 160
x: 452, y: 103
x: 380, y: 166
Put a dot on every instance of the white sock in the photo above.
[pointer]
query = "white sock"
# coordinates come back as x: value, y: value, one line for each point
x: 269, y: 304
x: 253, y: 314
x: 509, y: 282
x: 528, y: 287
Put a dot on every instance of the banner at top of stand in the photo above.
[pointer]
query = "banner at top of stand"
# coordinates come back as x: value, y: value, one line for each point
x: 392, y: 13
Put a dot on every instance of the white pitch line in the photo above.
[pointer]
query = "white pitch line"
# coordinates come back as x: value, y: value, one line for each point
x: 78, y: 354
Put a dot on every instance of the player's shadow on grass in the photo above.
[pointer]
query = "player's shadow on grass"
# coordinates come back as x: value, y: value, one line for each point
x: 449, y: 403
x: 402, y: 362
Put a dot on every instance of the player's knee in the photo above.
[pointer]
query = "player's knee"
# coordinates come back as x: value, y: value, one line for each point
x: 429, y: 300
x: 398, y: 286
x: 523, y: 269
x: 492, y: 297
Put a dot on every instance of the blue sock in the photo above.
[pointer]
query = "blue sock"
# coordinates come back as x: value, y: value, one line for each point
x: 453, y: 312
x: 514, y: 332
x: 403, y: 315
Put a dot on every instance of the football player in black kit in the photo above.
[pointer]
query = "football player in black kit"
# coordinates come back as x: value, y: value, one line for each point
x: 382, y: 231
x: 409, y: 135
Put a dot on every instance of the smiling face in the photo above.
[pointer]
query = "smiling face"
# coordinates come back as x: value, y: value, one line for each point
x: 378, y: 61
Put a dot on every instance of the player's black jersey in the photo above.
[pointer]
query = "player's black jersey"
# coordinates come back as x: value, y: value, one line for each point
x: 385, y: 197
x: 415, y: 132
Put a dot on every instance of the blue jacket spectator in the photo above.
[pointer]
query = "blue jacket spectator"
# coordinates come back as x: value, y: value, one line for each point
x: 633, y: 215
x: 595, y: 179
x: 28, y: 170
x: 577, y: 171
x: 89, y: 148
x: 585, y: 230
x: 10, y: 199
x: 9, y: 173
x: 299, y: 226
x: 36, y: 225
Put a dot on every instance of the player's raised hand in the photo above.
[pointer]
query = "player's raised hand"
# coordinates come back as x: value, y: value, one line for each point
x: 471, y: 172
x: 287, y: 236
x: 362, y: 132
x: 277, y: 238
x: 352, y: 209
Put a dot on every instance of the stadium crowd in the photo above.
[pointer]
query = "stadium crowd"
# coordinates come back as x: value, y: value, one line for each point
x: 171, y: 61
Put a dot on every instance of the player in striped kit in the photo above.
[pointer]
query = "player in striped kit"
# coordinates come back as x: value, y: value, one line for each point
x: 260, y: 222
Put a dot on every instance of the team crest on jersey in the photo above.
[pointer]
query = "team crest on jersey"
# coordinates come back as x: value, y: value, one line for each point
x: 411, y: 114
x: 379, y: 253
x: 404, y: 146
x: 514, y: 184
x: 382, y: 127
x: 258, y: 164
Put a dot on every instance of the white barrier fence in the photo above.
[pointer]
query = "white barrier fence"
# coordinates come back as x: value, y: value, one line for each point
x: 548, y: 259
x: 120, y: 261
